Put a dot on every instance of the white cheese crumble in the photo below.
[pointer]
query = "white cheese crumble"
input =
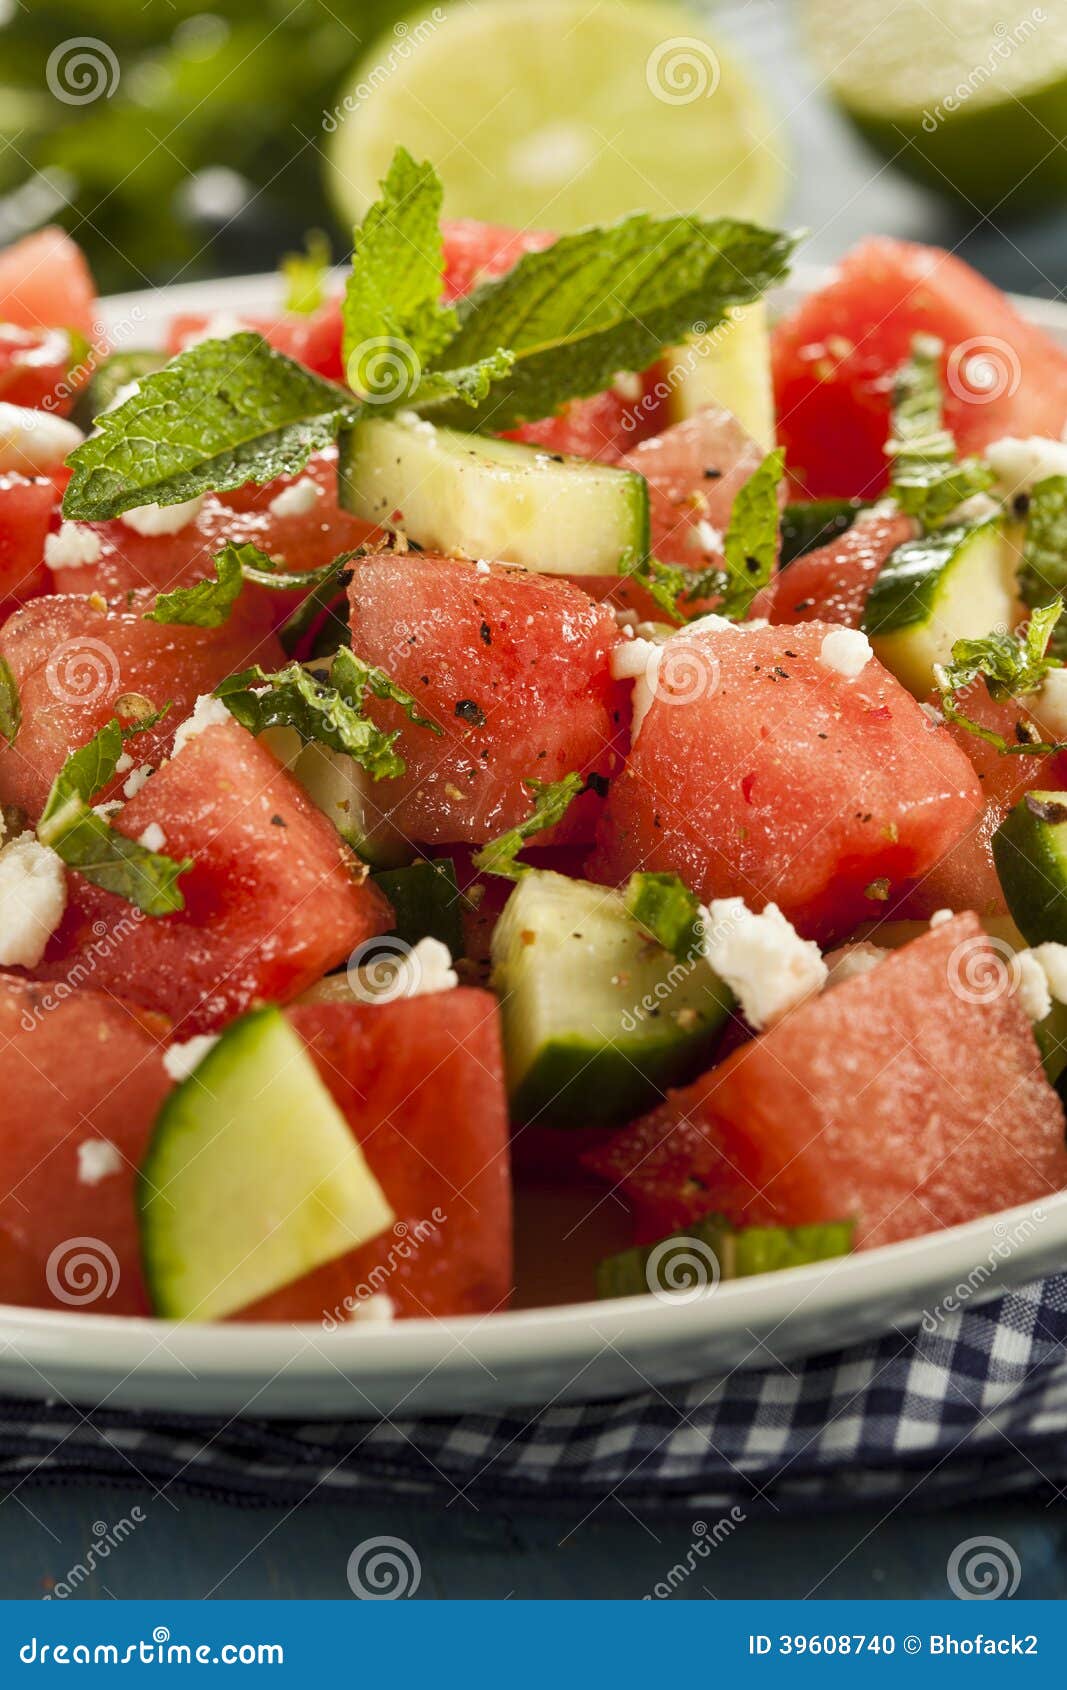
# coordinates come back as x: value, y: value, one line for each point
x: 34, y: 441
x: 628, y: 385
x: 133, y: 785
x: 1020, y: 464
x: 298, y: 499
x: 762, y: 958
x: 208, y: 712
x: 939, y: 918
x: 852, y: 960
x: 108, y: 809
x: 373, y: 1309
x: 978, y: 508
x: 1049, y: 706
x: 638, y: 660
x: 1052, y: 958
x: 123, y: 764
x: 153, y: 838
x: 33, y: 896
x: 427, y: 968
x: 97, y: 1158
x: 706, y: 537
x: 482, y: 568
x: 1031, y: 983
x: 153, y: 520
x: 180, y: 1059
x: 847, y: 651
x: 72, y: 546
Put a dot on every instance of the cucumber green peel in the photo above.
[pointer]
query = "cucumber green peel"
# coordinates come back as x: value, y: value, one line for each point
x: 712, y: 1251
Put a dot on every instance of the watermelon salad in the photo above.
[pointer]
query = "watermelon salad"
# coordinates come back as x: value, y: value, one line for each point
x: 521, y: 708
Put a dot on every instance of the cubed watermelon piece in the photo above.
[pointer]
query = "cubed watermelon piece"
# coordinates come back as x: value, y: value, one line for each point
x: 77, y: 1069
x: 476, y: 252
x: 35, y: 369
x: 762, y: 772
x: 834, y: 359
x: 26, y: 507
x: 420, y: 1082
x: 516, y: 670
x: 694, y: 471
x: 45, y: 283
x: 72, y: 662
x: 313, y: 338
x: 305, y: 540
x: 906, y: 1099
x: 831, y: 583
x: 272, y: 902
x: 603, y: 427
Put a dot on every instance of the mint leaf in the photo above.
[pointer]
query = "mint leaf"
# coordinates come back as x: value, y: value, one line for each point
x: 1011, y: 665
x: 1043, y: 571
x: 672, y: 586
x: 208, y: 603
x: 324, y: 711
x: 750, y: 545
x: 468, y: 385
x: 224, y: 413
x: 927, y: 481
x: 552, y: 800
x: 10, y: 705
x: 87, y: 841
x: 394, y: 322
x: 664, y: 906
x: 305, y: 274
x: 605, y: 300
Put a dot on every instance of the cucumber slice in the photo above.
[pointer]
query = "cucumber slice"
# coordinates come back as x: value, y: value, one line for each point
x: 485, y: 498
x: 728, y: 366
x: 712, y: 1250
x: 806, y: 526
x: 345, y: 792
x: 597, y: 1018
x: 426, y: 903
x: 1030, y: 855
x: 957, y: 583
x: 251, y: 1178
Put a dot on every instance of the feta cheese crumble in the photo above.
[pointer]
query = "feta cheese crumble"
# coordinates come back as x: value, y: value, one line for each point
x: 34, y: 441
x: 33, y: 896
x: 133, y: 785
x: 939, y: 918
x: 427, y: 968
x: 97, y: 1158
x: 153, y: 838
x: 482, y: 568
x: 849, y: 961
x: 72, y: 547
x: 298, y: 499
x: 1052, y: 959
x: 1020, y: 464
x: 847, y: 651
x: 638, y: 660
x: 153, y: 520
x: 179, y: 1060
x: 1031, y: 983
x: 373, y: 1309
x: 706, y: 536
x: 762, y: 958
x: 208, y: 712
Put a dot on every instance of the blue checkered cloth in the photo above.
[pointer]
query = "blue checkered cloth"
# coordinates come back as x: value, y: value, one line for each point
x: 976, y: 1407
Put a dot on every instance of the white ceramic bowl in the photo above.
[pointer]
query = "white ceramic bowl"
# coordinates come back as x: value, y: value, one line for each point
x: 532, y: 1356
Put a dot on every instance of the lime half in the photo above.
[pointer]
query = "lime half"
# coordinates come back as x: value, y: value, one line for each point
x: 559, y: 113
x: 970, y: 97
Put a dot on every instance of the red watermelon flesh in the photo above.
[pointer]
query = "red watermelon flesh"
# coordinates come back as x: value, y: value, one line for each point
x: 313, y: 338
x: 26, y: 506
x: 130, y: 560
x: 831, y: 584
x: 834, y: 359
x: 35, y: 369
x: 901, y: 1099
x: 420, y: 1081
x: 272, y: 902
x: 476, y: 252
x: 516, y: 670
x: 603, y: 427
x: 75, y: 1066
x: 73, y: 662
x: 762, y: 773
x: 45, y: 283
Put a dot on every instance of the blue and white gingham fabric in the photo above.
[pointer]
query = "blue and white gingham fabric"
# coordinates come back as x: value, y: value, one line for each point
x: 977, y: 1407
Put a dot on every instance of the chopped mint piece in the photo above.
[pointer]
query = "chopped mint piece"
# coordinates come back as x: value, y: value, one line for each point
x: 552, y: 799
x: 927, y: 481
x: 664, y: 906
x: 1043, y: 571
x: 207, y: 604
x: 1011, y: 665
x: 10, y: 706
x: 750, y: 546
x: 305, y: 274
